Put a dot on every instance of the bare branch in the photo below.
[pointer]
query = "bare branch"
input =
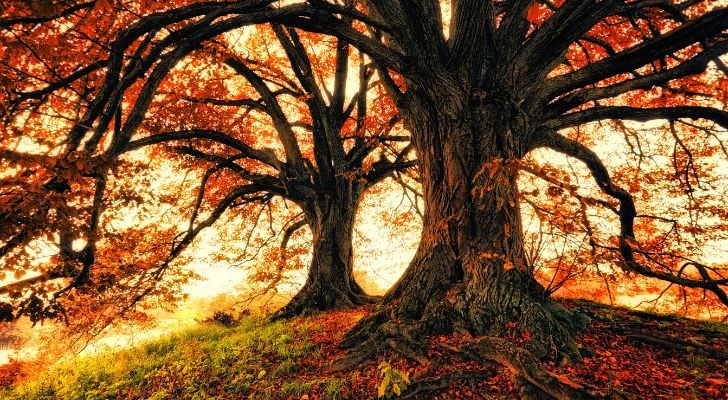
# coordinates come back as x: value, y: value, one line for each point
x: 627, y: 215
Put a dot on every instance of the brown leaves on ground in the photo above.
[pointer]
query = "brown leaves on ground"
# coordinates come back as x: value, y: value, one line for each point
x: 614, y: 362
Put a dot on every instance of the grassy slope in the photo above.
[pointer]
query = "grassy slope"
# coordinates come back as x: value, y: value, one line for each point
x: 208, y: 361
x: 284, y: 360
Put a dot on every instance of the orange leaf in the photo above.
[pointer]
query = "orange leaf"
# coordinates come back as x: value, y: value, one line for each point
x: 104, y: 4
x: 532, y: 13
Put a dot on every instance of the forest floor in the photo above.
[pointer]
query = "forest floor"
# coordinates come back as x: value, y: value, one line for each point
x: 636, y: 355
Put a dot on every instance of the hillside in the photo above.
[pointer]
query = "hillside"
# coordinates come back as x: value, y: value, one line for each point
x: 632, y: 354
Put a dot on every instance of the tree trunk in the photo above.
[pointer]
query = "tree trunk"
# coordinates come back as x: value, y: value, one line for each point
x: 330, y: 283
x: 469, y: 272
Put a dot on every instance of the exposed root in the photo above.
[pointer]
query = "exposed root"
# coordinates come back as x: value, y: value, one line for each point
x: 355, y: 357
x: 380, y: 332
x: 509, y: 303
x: 438, y: 383
x: 679, y: 344
x: 495, y: 302
x: 363, y: 330
x: 318, y: 297
x: 402, y: 339
x: 528, y: 374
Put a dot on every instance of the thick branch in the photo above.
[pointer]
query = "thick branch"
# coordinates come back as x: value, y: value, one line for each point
x: 10, y: 22
x: 692, y: 66
x: 472, y: 32
x: 706, y: 26
x: 265, y: 157
x: 384, y: 168
x: 273, y: 108
x: 321, y: 22
x: 639, y: 114
x: 64, y: 82
x: 513, y: 28
x: 351, y: 13
x: 549, y: 44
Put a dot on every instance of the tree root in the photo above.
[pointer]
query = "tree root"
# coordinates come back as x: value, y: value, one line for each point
x: 438, y: 383
x: 363, y: 330
x: 508, y: 303
x: 319, y: 299
x: 533, y: 381
x: 678, y: 344
x: 528, y: 374
x: 402, y: 339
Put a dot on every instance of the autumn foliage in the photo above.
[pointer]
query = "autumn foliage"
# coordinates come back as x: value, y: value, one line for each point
x: 568, y: 147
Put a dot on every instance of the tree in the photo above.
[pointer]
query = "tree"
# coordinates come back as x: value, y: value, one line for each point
x: 348, y: 146
x: 513, y: 77
x: 480, y: 91
x: 327, y: 181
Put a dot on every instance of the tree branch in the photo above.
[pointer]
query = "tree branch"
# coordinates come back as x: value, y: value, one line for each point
x: 10, y: 22
x: 638, y: 114
x: 283, y: 127
x: 627, y: 215
x: 707, y: 25
x: 692, y: 66
x: 267, y: 158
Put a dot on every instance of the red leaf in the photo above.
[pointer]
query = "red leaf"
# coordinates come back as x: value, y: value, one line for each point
x: 716, y: 381
x: 104, y: 4
x: 533, y: 12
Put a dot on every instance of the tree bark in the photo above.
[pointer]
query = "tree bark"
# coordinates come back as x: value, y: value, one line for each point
x: 469, y: 272
x: 330, y: 283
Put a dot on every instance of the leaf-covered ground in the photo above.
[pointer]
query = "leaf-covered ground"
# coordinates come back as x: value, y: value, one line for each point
x: 637, y: 355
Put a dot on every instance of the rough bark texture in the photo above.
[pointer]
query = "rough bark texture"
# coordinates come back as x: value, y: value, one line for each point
x: 469, y: 272
x: 330, y: 283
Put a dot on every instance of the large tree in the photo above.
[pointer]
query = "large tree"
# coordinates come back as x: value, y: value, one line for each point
x: 506, y: 79
x: 481, y: 87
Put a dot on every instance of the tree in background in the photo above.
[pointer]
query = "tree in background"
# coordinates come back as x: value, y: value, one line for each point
x: 340, y: 145
x: 224, y: 113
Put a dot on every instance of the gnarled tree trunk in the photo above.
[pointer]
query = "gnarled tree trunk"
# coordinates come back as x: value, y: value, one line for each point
x: 470, y: 270
x: 330, y: 283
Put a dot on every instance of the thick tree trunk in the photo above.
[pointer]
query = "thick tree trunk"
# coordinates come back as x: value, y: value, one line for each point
x: 330, y: 283
x: 469, y: 272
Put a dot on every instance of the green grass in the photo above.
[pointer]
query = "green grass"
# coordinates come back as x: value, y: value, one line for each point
x: 254, y: 359
x: 714, y: 327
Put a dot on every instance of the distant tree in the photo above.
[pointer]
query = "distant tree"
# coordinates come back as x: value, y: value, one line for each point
x: 347, y: 146
x: 229, y: 117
